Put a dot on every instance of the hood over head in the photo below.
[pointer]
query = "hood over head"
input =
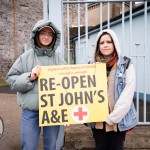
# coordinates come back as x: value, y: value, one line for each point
x: 35, y: 41
x: 114, y: 38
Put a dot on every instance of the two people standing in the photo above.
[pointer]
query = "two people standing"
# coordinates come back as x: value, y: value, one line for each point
x: 22, y: 77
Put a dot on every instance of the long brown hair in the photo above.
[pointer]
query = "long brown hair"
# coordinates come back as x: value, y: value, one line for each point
x: 97, y: 51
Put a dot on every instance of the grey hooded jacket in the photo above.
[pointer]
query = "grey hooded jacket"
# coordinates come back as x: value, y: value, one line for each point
x: 19, y: 73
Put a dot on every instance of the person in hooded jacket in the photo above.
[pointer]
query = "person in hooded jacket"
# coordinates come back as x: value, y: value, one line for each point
x: 23, y: 78
x: 110, y: 135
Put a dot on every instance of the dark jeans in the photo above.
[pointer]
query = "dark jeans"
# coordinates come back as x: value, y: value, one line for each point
x: 108, y: 140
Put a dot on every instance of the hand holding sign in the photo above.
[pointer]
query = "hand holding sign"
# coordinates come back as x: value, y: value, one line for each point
x: 35, y: 73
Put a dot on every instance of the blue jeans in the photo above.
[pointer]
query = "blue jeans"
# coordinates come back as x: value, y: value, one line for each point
x: 31, y: 132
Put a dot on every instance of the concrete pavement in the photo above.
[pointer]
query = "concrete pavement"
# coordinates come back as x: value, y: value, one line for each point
x: 10, y: 112
x: 11, y: 115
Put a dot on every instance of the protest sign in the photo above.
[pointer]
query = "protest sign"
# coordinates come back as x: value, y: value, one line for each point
x: 72, y: 94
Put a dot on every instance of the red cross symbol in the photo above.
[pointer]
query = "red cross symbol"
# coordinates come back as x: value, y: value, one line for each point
x: 80, y: 113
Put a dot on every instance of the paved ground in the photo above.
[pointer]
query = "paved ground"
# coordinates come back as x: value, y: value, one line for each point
x: 77, y: 137
x: 10, y: 113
